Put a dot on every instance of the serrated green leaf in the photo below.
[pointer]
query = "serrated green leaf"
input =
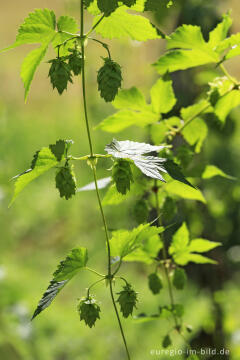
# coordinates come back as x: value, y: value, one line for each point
x: 44, y: 162
x: 29, y: 66
x: 183, y: 59
x: 195, y: 110
x: 202, y: 245
x: 180, y: 239
x: 211, y: 170
x: 182, y: 250
x: 195, y: 133
x: 186, y: 192
x: 68, y: 24
x: 121, y: 24
x: 130, y: 98
x: 226, y: 103
x: 70, y: 266
x: 175, y: 172
x: 148, y: 250
x: 126, y: 118
x: 162, y: 95
x: 187, y: 37
x: 217, y: 35
x: 124, y: 242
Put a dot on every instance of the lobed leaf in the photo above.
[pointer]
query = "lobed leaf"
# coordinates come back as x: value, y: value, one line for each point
x: 121, y: 24
x: 130, y: 98
x: 162, y: 95
x: 45, y: 161
x: 69, y: 267
x: 226, y: 103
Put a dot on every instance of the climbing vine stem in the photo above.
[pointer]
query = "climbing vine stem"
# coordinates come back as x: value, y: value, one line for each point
x: 93, y: 166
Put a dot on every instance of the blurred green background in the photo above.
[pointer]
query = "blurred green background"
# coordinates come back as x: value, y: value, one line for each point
x: 40, y: 228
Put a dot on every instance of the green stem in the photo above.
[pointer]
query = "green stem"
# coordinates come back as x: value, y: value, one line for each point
x: 95, y: 272
x: 91, y: 286
x: 95, y: 25
x: 95, y: 176
x: 224, y: 70
x: 165, y: 265
x: 104, y: 45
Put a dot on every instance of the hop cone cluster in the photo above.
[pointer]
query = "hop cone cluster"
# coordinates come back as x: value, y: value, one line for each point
x: 89, y: 311
x: 60, y: 74
x: 75, y: 61
x: 127, y: 300
x: 122, y: 176
x: 109, y: 79
x: 66, y: 182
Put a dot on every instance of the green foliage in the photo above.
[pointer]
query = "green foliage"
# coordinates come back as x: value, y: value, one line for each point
x: 60, y: 74
x: 69, y: 267
x: 184, y: 251
x: 211, y: 171
x: 66, y: 25
x: 121, y: 24
x: 149, y: 165
x: 141, y: 211
x: 129, y: 3
x: 124, y: 242
x: 122, y: 175
x: 43, y: 161
x: 109, y: 79
x: 127, y: 300
x: 226, y: 103
x: 179, y: 278
x: 183, y: 191
x: 155, y: 283
x: 66, y: 181
x: 162, y: 95
x: 166, y: 341
x: 175, y: 172
x: 89, y: 310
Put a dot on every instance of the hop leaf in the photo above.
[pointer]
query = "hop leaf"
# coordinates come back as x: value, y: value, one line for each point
x: 75, y: 62
x: 66, y: 182
x: 127, y: 300
x: 60, y: 74
x: 155, y: 283
x: 109, y: 79
x: 122, y: 176
x: 179, y: 278
x: 89, y: 310
x: 141, y: 211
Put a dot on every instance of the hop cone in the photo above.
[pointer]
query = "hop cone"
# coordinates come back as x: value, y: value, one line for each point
x: 89, y: 311
x: 122, y: 175
x: 66, y: 182
x: 154, y: 283
x: 60, y: 74
x: 141, y: 211
x: 75, y: 62
x: 109, y: 79
x: 127, y: 300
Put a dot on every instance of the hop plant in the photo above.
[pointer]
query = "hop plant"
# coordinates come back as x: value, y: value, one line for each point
x: 154, y: 283
x: 122, y: 176
x: 89, y: 310
x: 179, y: 278
x: 75, y: 61
x: 127, y: 300
x: 66, y: 182
x: 60, y: 74
x: 109, y: 79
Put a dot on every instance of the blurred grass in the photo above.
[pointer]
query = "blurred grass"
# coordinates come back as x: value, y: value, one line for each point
x: 38, y: 230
